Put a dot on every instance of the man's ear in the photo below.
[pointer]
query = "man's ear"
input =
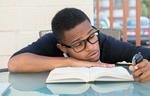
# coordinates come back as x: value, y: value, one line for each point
x: 62, y: 48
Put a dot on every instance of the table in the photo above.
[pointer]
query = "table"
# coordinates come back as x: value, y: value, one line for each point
x: 33, y: 84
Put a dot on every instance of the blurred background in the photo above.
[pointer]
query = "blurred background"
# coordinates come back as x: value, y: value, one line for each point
x: 22, y: 20
x: 118, y: 14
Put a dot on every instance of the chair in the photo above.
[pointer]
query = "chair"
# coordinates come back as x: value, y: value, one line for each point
x: 43, y: 32
x: 116, y: 33
x: 3, y: 70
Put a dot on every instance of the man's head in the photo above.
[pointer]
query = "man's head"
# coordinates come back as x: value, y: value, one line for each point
x: 75, y: 34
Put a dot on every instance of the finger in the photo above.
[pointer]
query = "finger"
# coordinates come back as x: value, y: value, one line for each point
x: 95, y: 65
x: 137, y: 73
x: 106, y: 65
x: 109, y: 65
x: 137, y: 79
x: 101, y: 64
x: 145, y: 76
x: 133, y: 68
x: 145, y: 80
x: 92, y: 65
x: 146, y: 67
x: 98, y: 65
x: 84, y: 65
x: 143, y: 63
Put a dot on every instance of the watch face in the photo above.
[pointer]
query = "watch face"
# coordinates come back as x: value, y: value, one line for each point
x: 137, y: 58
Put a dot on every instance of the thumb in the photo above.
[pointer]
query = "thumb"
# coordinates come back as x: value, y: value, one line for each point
x: 133, y: 68
x: 107, y: 65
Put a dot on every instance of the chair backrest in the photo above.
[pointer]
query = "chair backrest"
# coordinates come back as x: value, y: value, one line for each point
x: 3, y: 70
x: 43, y: 32
x: 116, y: 33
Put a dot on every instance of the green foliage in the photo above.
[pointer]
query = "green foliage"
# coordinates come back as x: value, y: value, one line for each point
x: 145, y: 7
x: 145, y: 2
x: 144, y: 10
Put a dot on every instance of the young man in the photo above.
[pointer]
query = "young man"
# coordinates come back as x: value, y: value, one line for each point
x: 74, y: 35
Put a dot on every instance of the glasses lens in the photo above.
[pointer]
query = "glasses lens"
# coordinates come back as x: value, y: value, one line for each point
x: 93, y: 38
x: 79, y: 46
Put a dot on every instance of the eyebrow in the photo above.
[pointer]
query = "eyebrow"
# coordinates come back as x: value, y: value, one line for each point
x: 80, y: 39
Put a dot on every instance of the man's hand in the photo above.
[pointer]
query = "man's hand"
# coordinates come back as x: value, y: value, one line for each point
x: 141, y: 71
x: 80, y: 63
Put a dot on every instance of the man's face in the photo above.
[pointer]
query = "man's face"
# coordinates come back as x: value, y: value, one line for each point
x: 78, y: 34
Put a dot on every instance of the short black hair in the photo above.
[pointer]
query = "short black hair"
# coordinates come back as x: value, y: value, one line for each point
x: 67, y: 19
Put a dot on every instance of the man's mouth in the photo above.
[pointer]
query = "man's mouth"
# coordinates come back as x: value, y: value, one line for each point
x: 94, y: 55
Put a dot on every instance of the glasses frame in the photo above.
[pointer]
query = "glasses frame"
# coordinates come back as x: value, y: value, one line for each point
x: 85, y: 41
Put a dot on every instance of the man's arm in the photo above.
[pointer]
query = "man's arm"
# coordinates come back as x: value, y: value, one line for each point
x: 36, y: 57
x: 43, y: 55
x: 28, y: 62
x: 113, y: 50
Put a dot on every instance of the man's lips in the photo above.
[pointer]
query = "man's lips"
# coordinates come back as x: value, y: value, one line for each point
x: 93, y: 54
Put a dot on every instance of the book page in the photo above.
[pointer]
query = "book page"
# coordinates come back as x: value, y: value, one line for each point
x: 68, y: 74
x: 110, y: 74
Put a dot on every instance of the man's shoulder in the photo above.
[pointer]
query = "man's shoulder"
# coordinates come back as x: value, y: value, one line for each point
x: 102, y: 37
x: 48, y: 37
x: 106, y: 38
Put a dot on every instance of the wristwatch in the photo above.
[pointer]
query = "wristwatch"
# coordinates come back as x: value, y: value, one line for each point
x: 137, y: 58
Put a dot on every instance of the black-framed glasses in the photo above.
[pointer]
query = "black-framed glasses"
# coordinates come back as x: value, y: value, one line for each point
x: 80, y: 46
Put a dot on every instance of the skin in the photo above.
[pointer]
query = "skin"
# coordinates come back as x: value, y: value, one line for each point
x: 81, y: 32
x: 141, y: 71
x: 28, y: 62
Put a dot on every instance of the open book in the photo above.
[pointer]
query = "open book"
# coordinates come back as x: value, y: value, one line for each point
x: 84, y: 74
x: 83, y: 88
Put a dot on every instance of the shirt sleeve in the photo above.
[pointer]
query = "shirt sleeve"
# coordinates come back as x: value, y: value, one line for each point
x: 113, y: 50
x: 45, y: 46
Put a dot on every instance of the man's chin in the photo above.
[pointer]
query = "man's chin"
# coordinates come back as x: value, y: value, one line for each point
x: 94, y: 60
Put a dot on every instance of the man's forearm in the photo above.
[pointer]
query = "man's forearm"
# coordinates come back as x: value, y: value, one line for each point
x: 28, y: 62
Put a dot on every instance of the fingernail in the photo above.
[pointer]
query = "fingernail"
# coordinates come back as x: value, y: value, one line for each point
x: 113, y: 65
x: 135, y: 67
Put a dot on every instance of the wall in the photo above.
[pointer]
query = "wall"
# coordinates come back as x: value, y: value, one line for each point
x: 21, y: 20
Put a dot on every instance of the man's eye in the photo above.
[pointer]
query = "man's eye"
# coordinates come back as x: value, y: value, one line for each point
x: 92, y: 36
x: 77, y: 44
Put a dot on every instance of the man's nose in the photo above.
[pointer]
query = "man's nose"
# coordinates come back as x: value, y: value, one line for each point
x: 89, y: 46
